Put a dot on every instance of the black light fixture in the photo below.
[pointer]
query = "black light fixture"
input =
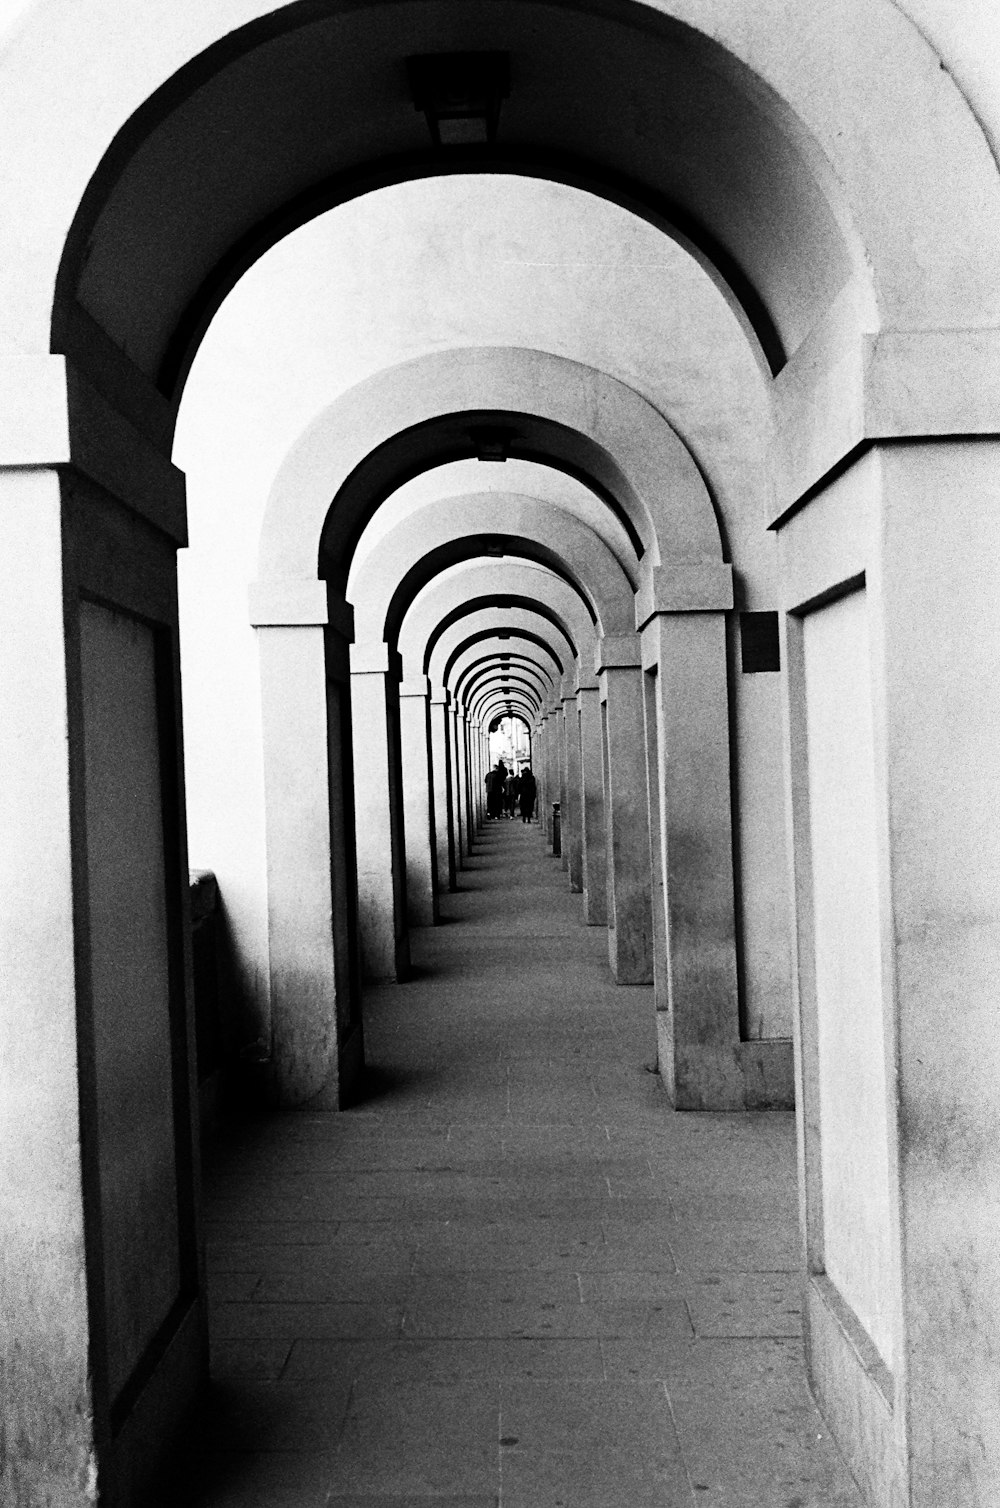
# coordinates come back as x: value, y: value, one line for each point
x: 491, y: 442
x: 460, y: 93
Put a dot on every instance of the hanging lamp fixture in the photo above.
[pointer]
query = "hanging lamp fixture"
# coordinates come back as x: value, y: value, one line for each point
x: 460, y: 93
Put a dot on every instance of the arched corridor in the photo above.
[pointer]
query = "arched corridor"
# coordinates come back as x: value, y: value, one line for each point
x: 373, y: 372
x: 510, y: 1275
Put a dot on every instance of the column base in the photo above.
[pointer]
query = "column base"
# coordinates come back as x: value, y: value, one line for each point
x: 854, y: 1390
x: 742, y: 1076
x: 153, y: 1437
x: 629, y: 965
x: 344, y: 1089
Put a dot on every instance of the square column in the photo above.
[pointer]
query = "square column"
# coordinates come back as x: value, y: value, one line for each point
x: 457, y: 782
x: 478, y: 775
x: 630, y: 920
x: 703, y: 1062
x: 572, y: 838
x: 561, y: 793
x: 102, y: 1324
x: 378, y: 800
x: 541, y: 754
x: 473, y: 763
x: 51, y: 1417
x: 594, y: 877
x: 462, y: 767
x: 889, y: 576
x: 548, y: 790
x: 418, y: 803
x: 939, y: 567
x: 444, y: 827
x: 303, y: 633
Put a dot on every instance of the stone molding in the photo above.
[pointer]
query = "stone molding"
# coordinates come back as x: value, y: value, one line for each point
x: 704, y: 586
x: 51, y: 416
x: 293, y: 603
x: 881, y: 387
x: 618, y: 652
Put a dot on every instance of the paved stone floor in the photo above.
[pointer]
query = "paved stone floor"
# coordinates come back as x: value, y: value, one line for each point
x: 512, y: 1276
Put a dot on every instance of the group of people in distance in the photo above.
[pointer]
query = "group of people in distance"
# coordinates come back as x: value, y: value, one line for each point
x: 507, y: 791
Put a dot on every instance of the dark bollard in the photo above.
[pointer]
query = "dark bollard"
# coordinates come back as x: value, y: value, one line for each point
x: 556, y: 830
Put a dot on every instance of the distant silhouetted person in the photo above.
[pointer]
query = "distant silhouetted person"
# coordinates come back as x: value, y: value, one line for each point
x: 495, y: 782
x: 510, y: 793
x: 527, y: 792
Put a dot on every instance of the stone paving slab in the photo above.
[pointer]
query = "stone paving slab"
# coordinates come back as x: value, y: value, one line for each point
x: 419, y: 1438
x: 513, y: 1277
x: 664, y: 1317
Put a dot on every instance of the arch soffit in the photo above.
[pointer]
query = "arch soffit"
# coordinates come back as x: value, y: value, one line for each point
x: 470, y: 477
x: 410, y: 417
x: 479, y: 709
x: 502, y: 706
x: 522, y: 641
x: 468, y: 609
x: 520, y: 665
x: 134, y: 107
x: 525, y: 654
x: 458, y: 528
x: 490, y: 681
x: 519, y: 624
x: 503, y: 584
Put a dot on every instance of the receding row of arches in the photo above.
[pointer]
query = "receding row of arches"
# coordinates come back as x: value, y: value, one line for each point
x: 794, y: 847
x: 415, y: 594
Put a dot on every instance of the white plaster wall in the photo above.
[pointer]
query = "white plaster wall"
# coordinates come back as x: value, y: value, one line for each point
x: 852, y: 1076
x: 425, y: 266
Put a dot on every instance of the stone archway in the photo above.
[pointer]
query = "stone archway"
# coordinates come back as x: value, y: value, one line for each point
x: 874, y: 428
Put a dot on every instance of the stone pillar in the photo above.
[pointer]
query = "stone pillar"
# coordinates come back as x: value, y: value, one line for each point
x: 572, y: 844
x: 938, y: 644
x: 630, y: 926
x: 418, y: 803
x: 594, y: 875
x: 102, y: 1329
x: 462, y: 760
x: 545, y: 796
x: 476, y: 786
x: 471, y: 738
x: 444, y: 825
x: 702, y: 1061
x: 892, y: 644
x: 559, y: 749
x: 458, y: 818
x: 303, y: 632
x: 378, y: 799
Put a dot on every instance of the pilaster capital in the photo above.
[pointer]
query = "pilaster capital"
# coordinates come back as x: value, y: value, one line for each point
x: 684, y: 586
x: 292, y: 603
x: 34, y: 411
x: 52, y: 416
x: 872, y: 388
x: 376, y: 659
x: 617, y: 652
x: 416, y: 686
